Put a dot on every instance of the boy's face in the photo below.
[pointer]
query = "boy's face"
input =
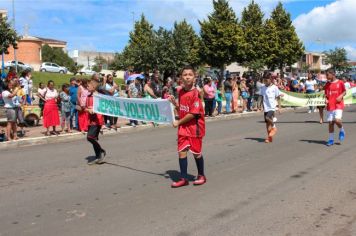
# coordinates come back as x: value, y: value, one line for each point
x: 330, y: 76
x: 188, y: 78
x: 91, y: 87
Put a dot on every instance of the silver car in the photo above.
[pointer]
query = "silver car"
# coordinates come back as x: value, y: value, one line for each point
x: 20, y: 65
x: 53, y: 67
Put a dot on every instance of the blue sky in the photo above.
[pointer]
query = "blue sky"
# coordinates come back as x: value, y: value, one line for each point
x: 104, y: 25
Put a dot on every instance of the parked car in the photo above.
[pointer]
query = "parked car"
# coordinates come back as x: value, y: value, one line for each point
x: 53, y: 67
x: 86, y: 71
x: 20, y: 65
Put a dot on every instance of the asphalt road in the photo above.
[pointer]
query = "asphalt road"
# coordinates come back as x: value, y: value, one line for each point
x: 294, y: 186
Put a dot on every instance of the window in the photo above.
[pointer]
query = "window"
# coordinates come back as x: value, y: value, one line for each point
x: 54, y: 65
x: 47, y: 64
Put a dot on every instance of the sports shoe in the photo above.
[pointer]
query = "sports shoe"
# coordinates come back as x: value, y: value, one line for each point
x: 180, y: 183
x: 101, y: 158
x: 275, y: 119
x: 309, y: 111
x: 200, y: 180
x: 342, y: 136
x: 269, y: 140
x: 330, y: 143
x: 92, y: 162
x: 272, y: 132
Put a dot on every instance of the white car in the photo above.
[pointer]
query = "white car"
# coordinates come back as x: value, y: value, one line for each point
x: 20, y: 65
x: 53, y: 67
x: 86, y: 71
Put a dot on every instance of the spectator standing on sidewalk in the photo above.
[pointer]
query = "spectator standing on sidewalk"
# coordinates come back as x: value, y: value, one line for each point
x: 228, y: 94
x: 112, y: 89
x: 50, y: 111
x: 235, y: 95
x: 73, y: 93
x: 65, y: 108
x: 310, y: 87
x: 209, y: 96
x: 10, y: 98
x: 81, y: 100
x: 258, y: 95
x: 27, y: 83
x: 135, y: 91
x: 244, y: 94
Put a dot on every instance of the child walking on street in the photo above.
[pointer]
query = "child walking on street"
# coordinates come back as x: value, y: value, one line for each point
x: 191, y: 127
x: 334, y: 93
x: 95, y: 122
x: 270, y: 93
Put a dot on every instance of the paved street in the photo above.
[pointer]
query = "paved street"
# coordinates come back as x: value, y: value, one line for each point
x: 294, y: 186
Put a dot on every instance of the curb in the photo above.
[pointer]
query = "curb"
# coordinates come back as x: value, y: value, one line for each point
x: 127, y: 129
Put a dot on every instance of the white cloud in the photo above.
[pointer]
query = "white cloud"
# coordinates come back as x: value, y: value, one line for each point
x: 332, y: 24
x: 351, y: 53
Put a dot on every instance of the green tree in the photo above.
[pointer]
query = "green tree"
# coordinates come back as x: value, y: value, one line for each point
x: 8, y: 36
x: 58, y: 56
x: 290, y: 48
x: 186, y: 44
x: 100, y: 63
x: 140, y: 50
x: 163, y: 50
x: 271, y: 44
x: 221, y: 37
x: 337, y: 58
x: 253, y: 31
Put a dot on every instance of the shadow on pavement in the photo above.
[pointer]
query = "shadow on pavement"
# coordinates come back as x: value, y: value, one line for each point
x: 322, y: 142
x: 134, y: 169
x: 175, y: 175
x: 260, y: 140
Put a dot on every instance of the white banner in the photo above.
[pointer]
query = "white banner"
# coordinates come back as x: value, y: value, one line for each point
x: 150, y: 110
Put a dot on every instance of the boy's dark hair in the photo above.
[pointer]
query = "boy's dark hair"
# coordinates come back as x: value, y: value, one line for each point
x: 331, y: 71
x: 72, y: 79
x: 50, y: 81
x: 64, y: 86
x: 95, y: 83
x: 40, y: 84
x: 187, y: 67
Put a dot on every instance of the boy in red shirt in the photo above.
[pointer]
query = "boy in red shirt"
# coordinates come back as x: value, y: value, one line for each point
x: 95, y: 123
x: 334, y: 93
x: 191, y: 127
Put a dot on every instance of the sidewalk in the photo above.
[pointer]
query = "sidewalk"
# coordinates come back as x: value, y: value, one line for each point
x: 35, y: 135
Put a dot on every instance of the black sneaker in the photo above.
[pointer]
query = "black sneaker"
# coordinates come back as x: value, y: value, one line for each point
x: 101, y: 158
x: 92, y: 162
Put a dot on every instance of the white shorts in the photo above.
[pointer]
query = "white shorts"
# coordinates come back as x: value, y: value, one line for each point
x: 334, y: 115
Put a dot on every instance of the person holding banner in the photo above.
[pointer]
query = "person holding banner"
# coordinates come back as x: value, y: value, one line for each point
x: 270, y: 93
x: 334, y: 92
x: 191, y: 127
x: 95, y: 121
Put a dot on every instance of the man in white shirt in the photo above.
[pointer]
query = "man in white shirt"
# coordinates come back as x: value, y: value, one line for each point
x: 271, y: 95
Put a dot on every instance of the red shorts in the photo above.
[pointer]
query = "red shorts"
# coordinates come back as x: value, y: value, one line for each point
x: 193, y: 144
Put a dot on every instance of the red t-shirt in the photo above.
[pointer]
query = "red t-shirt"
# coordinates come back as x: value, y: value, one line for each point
x: 189, y: 103
x: 94, y: 119
x: 332, y: 91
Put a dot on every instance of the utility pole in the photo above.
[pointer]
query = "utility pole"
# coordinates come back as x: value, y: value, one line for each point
x: 14, y: 25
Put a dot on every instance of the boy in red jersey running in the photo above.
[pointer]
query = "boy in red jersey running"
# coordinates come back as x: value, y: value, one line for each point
x: 191, y: 127
x: 334, y: 93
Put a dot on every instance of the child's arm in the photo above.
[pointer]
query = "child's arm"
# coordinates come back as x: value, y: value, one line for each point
x: 184, y: 120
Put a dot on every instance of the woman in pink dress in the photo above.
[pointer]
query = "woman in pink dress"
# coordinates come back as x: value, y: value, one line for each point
x: 81, y: 98
x: 235, y: 95
x: 50, y: 110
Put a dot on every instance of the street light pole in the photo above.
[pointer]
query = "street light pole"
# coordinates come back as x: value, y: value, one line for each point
x: 13, y: 25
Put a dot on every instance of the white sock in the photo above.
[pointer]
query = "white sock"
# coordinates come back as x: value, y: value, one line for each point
x: 342, y: 129
x: 331, y: 136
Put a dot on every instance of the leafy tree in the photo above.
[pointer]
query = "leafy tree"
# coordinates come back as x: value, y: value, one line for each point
x: 8, y: 36
x: 186, y: 43
x: 290, y: 48
x: 58, y: 56
x: 140, y: 50
x: 337, y: 58
x: 271, y: 44
x: 221, y: 37
x: 100, y: 63
x: 253, y: 31
x: 163, y: 50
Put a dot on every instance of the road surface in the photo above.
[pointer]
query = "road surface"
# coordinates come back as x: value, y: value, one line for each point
x: 294, y: 186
